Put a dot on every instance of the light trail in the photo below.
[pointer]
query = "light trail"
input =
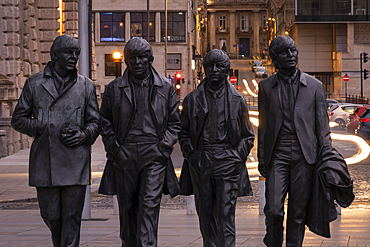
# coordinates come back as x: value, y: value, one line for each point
x: 248, y: 88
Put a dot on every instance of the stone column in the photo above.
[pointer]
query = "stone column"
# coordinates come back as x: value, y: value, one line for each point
x: 157, y: 27
x: 233, y: 24
x: 256, y: 33
x: 47, y: 26
x: 71, y: 17
x: 128, y: 27
x: 212, y: 28
x: 10, y: 40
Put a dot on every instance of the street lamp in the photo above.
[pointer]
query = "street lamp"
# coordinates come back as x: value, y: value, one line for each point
x: 117, y: 58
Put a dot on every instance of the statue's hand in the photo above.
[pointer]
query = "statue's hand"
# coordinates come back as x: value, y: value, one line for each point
x: 262, y: 168
x: 73, y: 138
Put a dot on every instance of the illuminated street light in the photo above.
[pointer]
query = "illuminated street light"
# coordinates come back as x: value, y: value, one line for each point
x: 117, y: 57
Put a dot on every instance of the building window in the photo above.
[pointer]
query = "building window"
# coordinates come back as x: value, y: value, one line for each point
x: 244, y: 23
x: 112, y: 68
x: 112, y: 27
x: 139, y: 25
x: 175, y: 27
x: 222, y: 25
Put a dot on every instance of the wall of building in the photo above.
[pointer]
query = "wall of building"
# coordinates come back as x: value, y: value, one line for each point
x: 315, y: 47
x: 27, y: 30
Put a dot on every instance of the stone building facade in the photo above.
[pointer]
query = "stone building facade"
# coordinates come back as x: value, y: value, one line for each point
x: 27, y: 30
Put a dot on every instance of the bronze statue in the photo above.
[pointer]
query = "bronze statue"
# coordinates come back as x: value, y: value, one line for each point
x: 139, y: 126
x: 59, y: 108
x: 293, y: 135
x: 215, y: 139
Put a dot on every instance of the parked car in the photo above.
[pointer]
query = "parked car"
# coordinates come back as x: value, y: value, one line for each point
x: 256, y: 63
x: 339, y: 113
x: 353, y: 119
x: 330, y: 102
x: 363, y: 129
x: 260, y: 72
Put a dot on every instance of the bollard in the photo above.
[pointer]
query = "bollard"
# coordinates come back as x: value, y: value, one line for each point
x: 115, y: 205
x: 86, y: 212
x: 338, y: 208
x: 190, y: 204
x: 261, y: 193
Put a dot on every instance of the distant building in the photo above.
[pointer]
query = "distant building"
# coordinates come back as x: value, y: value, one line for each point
x: 330, y: 36
x: 240, y: 25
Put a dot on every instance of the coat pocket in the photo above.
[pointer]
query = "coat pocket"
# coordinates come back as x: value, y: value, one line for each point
x: 40, y: 122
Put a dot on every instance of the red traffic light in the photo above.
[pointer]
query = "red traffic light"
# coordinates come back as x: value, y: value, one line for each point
x: 178, y: 76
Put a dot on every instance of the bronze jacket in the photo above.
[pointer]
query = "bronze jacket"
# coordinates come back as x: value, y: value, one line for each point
x: 41, y: 113
x: 310, y: 117
x: 239, y: 129
x: 116, y: 117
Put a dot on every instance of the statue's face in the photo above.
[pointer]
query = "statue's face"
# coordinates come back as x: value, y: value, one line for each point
x: 139, y: 65
x: 67, y: 59
x: 216, y: 73
x: 287, y: 59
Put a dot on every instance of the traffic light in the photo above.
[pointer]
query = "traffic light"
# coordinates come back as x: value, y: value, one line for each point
x: 199, y: 75
x: 178, y: 85
x: 178, y: 77
x: 366, y: 74
x: 366, y: 58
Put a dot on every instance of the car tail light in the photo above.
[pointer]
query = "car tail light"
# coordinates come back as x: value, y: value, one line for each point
x: 364, y: 120
x: 331, y: 114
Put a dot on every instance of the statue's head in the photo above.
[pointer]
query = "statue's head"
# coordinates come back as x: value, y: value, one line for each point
x: 284, y: 53
x: 138, y: 56
x: 217, y: 67
x: 64, y: 52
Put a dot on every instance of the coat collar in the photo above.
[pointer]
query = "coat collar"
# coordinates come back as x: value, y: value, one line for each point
x: 232, y: 96
x: 49, y: 83
x: 302, y: 79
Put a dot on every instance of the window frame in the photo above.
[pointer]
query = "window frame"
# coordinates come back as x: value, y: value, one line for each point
x: 222, y: 23
x: 113, y: 30
x: 174, y: 31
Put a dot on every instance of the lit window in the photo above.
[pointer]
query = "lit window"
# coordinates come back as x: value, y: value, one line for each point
x: 222, y: 22
x: 112, y: 27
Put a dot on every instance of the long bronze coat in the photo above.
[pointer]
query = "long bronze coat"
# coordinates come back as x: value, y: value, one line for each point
x: 239, y: 129
x: 310, y: 117
x: 41, y: 113
x: 116, y: 118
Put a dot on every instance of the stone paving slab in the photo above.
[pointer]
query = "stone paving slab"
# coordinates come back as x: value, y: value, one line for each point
x: 176, y: 229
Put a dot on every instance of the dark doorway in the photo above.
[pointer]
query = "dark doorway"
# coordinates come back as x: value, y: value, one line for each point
x: 244, y: 47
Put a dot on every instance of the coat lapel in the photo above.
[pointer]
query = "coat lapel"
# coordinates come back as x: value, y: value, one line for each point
x: 125, y: 87
x: 50, y: 88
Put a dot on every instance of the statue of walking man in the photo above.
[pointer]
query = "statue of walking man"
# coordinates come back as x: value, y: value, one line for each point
x: 58, y: 107
x: 215, y: 139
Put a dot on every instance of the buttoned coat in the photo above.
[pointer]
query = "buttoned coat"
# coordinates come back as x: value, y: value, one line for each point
x: 117, y: 112
x: 239, y: 129
x: 310, y: 117
x: 41, y: 112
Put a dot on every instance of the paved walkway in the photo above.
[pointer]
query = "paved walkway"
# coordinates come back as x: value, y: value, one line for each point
x: 25, y: 227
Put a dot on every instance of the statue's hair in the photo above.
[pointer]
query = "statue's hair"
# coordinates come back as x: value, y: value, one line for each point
x: 217, y: 55
x: 278, y: 45
x: 62, y: 43
x: 135, y: 46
